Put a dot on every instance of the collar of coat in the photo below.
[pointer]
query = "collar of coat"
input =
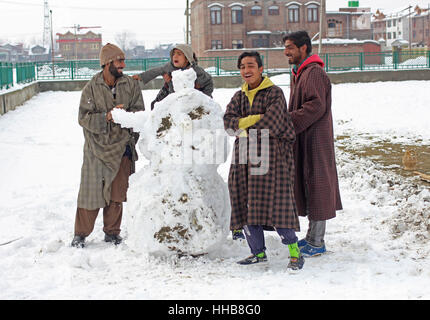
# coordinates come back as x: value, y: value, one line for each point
x: 266, y: 83
x: 311, y: 59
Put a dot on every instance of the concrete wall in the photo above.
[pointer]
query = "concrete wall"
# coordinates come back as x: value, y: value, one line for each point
x: 11, y: 100
x: 375, y: 76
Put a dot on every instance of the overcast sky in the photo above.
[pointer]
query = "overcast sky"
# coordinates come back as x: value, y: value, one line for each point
x: 151, y: 21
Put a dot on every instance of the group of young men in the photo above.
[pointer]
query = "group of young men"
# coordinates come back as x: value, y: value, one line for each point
x: 300, y: 175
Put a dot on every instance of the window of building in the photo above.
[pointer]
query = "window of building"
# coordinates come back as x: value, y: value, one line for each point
x: 389, y: 35
x: 256, y: 11
x: 394, y: 35
x: 389, y: 24
x: 334, y: 28
x: 237, y: 44
x: 215, y: 15
x: 236, y: 15
x: 312, y: 13
x: 293, y: 13
x: 260, y: 43
x: 216, y: 44
x: 273, y: 11
x: 394, y: 23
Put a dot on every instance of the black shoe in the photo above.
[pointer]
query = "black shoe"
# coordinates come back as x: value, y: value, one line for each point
x: 237, y: 234
x: 115, y: 239
x: 78, y: 242
x: 296, y: 264
x: 260, y: 258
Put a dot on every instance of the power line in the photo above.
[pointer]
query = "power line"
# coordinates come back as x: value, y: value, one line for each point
x: 19, y: 3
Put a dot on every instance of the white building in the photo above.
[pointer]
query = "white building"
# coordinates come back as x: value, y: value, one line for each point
x: 397, y: 26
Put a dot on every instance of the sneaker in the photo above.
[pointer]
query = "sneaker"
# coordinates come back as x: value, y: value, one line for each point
x: 78, y: 242
x: 260, y: 258
x: 302, y: 243
x: 114, y: 238
x: 295, y: 264
x: 237, y: 234
x: 312, y: 251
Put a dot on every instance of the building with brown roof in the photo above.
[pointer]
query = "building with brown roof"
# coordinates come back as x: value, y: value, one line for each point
x: 79, y: 46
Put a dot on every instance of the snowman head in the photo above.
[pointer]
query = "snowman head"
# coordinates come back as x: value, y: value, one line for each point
x: 183, y: 79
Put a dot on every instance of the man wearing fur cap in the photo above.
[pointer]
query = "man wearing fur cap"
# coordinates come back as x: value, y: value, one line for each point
x: 109, y: 150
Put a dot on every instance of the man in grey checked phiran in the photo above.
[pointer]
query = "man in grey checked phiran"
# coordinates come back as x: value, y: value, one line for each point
x: 109, y: 150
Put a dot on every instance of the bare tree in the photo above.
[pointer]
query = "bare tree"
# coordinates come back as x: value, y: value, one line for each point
x: 125, y: 39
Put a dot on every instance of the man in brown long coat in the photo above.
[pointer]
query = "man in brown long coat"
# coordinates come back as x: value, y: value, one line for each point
x: 261, y: 174
x: 109, y: 150
x: 316, y: 184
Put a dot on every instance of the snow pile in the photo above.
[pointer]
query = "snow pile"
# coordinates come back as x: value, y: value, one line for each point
x: 178, y: 203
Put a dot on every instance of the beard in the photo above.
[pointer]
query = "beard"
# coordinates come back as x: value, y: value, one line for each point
x: 114, y: 71
x: 294, y: 60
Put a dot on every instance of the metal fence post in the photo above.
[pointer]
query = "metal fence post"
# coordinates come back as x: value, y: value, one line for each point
x: 395, y: 59
x: 428, y: 58
x: 327, y: 65
x: 72, y: 68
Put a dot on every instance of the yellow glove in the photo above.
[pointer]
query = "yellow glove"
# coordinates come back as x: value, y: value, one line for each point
x: 245, y: 123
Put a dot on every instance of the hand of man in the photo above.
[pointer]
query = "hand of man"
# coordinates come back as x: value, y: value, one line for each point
x: 167, y: 77
x: 136, y: 77
x: 109, y: 114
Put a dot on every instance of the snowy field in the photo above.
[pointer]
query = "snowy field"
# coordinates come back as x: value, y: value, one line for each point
x: 378, y: 245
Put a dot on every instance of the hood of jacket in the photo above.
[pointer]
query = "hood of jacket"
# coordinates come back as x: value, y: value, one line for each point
x: 311, y: 59
x: 266, y: 83
x: 186, y: 49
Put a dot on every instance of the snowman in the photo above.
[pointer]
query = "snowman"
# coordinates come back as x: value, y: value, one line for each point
x: 178, y: 203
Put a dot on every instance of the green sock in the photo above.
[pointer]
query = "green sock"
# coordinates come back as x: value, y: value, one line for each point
x: 294, y: 250
x: 260, y: 255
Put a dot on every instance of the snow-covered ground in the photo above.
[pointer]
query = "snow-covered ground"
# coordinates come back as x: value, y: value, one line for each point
x: 378, y: 245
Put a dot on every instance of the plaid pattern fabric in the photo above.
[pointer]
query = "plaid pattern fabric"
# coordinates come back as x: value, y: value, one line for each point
x: 262, y: 199
x: 105, y: 142
x: 316, y: 183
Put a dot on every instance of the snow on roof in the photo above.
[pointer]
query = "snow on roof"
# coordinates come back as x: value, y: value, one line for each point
x: 259, y: 32
x: 337, y: 41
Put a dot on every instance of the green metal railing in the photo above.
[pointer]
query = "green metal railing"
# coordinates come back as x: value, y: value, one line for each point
x: 395, y: 60
x: 25, y: 72
x: 216, y: 66
x: 6, y: 75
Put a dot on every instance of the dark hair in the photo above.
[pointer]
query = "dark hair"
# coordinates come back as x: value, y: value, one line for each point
x: 300, y: 38
x: 254, y: 54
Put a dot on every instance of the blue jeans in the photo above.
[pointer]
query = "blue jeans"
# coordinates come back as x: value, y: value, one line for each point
x: 255, y: 237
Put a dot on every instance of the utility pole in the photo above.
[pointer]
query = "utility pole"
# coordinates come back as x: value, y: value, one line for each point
x: 46, y: 24
x: 52, y: 47
x: 410, y: 28
x: 77, y: 28
x: 322, y: 10
x: 187, y: 19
